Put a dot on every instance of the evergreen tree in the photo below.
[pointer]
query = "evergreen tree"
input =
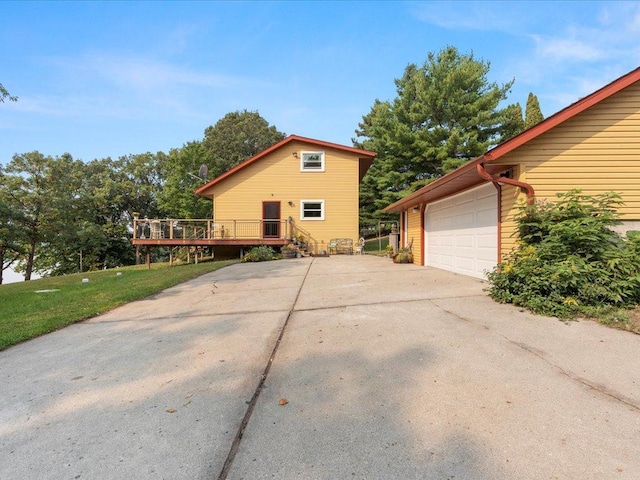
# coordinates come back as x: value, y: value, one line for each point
x: 513, y: 122
x: 445, y: 113
x: 533, y: 114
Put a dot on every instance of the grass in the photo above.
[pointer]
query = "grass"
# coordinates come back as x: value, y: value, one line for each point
x: 374, y: 247
x: 25, y: 314
x: 628, y: 320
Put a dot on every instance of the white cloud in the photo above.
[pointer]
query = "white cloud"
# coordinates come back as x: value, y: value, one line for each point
x: 557, y: 49
x: 474, y: 15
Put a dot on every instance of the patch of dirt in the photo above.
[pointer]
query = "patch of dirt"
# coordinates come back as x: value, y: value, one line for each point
x: 633, y: 324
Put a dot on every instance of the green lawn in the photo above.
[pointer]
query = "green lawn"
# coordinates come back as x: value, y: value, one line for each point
x: 25, y: 312
x: 377, y: 247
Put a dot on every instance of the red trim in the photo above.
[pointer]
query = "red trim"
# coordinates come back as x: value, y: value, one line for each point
x: 464, y: 177
x: 531, y: 194
x: 423, y: 209
x: 564, y: 115
x: 499, y: 221
x: 291, y: 138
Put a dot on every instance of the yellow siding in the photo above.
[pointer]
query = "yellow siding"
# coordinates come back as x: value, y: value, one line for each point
x: 597, y: 151
x: 508, y: 234
x: 277, y: 177
x: 415, y: 234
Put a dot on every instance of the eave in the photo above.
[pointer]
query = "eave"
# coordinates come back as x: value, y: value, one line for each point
x: 466, y: 176
x: 365, y: 159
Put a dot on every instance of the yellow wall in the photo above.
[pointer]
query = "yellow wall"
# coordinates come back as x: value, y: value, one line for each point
x: 277, y: 177
x: 597, y: 151
x: 415, y: 234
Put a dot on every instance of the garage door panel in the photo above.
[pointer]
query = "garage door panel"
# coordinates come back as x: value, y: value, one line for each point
x: 461, y: 232
x: 463, y: 241
x: 461, y: 221
x: 487, y: 217
x: 487, y: 241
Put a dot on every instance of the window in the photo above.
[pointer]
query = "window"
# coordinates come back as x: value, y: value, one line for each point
x: 312, y: 209
x: 312, y: 162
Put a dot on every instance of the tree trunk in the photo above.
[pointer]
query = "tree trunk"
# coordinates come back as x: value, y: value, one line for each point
x: 30, y: 255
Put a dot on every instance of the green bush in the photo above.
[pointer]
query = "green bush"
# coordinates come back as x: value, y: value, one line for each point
x: 568, y: 260
x: 260, y: 254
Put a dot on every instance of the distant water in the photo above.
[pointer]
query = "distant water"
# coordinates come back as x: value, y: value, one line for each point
x: 9, y: 276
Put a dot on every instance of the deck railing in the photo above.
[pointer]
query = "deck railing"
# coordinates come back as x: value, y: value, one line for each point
x: 207, y: 229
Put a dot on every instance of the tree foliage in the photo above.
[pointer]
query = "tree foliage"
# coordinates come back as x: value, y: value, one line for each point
x: 533, y: 114
x: 569, y: 261
x: 236, y: 137
x: 179, y: 171
x: 513, y: 122
x: 5, y: 95
x: 59, y: 215
x: 445, y: 113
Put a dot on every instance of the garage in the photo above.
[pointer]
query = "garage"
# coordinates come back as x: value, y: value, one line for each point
x: 461, y: 232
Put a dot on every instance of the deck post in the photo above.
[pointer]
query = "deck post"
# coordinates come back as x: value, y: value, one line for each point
x: 148, y: 258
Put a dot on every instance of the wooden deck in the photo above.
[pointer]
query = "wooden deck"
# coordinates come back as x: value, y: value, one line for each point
x: 206, y: 232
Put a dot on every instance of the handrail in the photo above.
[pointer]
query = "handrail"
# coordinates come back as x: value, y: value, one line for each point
x: 312, y: 243
x: 209, y: 229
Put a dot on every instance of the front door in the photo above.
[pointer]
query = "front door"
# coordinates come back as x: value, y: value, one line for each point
x: 271, y: 219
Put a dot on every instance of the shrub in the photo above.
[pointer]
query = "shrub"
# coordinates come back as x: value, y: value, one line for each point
x: 568, y: 260
x: 260, y: 254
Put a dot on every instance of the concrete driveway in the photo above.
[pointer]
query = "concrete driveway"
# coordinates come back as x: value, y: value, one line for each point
x: 388, y: 371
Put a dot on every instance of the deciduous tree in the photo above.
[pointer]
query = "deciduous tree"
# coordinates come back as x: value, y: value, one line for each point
x: 236, y: 137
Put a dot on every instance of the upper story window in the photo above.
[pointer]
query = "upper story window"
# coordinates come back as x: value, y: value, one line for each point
x: 312, y: 162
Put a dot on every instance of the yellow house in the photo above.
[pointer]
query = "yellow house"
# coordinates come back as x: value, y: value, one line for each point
x: 463, y: 222
x: 298, y: 188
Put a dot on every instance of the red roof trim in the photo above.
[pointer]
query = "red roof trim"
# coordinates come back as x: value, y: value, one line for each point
x: 524, y: 137
x: 564, y: 115
x: 280, y: 144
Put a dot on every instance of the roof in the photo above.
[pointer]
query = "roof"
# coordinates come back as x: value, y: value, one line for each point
x: 362, y: 154
x: 466, y: 176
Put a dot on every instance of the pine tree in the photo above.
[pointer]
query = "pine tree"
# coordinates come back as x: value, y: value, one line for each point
x: 533, y: 114
x: 445, y: 113
x: 513, y: 122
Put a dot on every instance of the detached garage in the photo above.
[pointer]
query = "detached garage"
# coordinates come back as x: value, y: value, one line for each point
x: 463, y: 222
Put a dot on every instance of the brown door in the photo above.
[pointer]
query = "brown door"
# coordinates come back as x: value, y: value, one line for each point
x: 271, y: 219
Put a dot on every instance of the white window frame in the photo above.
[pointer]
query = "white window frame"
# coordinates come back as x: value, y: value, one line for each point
x: 302, y: 204
x: 314, y: 169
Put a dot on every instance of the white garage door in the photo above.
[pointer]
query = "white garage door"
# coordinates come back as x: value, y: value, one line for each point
x: 461, y: 232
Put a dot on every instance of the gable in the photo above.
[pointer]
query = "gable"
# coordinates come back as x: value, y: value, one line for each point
x: 285, y: 149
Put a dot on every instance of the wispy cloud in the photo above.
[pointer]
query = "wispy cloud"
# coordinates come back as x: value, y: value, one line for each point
x: 557, y: 49
x: 119, y: 86
x: 477, y: 15
x: 142, y: 73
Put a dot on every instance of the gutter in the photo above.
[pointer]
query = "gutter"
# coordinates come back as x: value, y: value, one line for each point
x: 531, y: 194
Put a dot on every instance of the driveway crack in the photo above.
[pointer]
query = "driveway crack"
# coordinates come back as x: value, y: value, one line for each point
x: 235, y: 445
x: 529, y: 349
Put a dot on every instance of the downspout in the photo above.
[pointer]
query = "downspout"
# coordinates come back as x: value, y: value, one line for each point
x: 531, y: 194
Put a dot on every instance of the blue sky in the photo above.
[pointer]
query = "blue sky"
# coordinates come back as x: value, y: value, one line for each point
x: 99, y: 79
